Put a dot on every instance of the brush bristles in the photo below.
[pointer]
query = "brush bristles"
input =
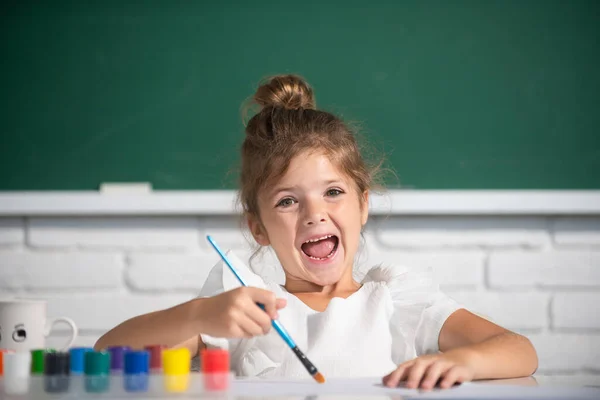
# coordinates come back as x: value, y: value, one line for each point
x: 319, y: 377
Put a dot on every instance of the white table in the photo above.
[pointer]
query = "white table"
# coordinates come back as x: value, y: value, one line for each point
x: 522, y: 388
x: 351, y: 389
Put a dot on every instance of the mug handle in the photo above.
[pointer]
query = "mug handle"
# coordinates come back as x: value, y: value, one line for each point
x: 68, y: 321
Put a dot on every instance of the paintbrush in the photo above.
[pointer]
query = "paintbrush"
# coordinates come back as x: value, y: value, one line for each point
x: 312, y: 370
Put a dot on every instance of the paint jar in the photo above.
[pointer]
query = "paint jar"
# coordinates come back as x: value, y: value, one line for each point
x: 137, y: 367
x: 77, y: 369
x: 17, y: 367
x: 57, y: 369
x: 38, y: 356
x: 117, y: 358
x: 155, y: 352
x: 78, y: 359
x: 2, y: 352
x: 96, y: 370
x: 215, y: 370
x: 176, y: 370
x: 156, y: 367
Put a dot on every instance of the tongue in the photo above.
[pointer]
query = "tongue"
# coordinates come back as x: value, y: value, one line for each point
x: 320, y: 249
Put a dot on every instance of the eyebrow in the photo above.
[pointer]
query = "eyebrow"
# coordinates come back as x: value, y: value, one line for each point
x: 290, y: 188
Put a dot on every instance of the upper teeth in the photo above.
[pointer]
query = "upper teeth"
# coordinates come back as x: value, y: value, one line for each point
x: 317, y: 239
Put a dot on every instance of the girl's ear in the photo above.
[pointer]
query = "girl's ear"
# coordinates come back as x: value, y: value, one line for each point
x: 365, y: 208
x: 258, y: 231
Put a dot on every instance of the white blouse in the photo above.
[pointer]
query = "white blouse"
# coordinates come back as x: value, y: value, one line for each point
x: 395, y: 316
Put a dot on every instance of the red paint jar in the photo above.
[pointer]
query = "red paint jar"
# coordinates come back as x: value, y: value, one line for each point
x: 215, y: 369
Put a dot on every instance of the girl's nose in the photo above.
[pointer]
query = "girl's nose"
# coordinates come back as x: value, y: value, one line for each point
x: 314, y: 213
x: 314, y: 221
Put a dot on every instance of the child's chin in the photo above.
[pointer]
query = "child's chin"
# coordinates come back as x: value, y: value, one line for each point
x: 328, y: 275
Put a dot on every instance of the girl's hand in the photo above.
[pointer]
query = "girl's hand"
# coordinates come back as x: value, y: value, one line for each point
x: 235, y: 314
x: 426, y: 371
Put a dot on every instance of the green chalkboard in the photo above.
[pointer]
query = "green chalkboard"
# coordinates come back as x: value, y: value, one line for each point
x: 457, y: 94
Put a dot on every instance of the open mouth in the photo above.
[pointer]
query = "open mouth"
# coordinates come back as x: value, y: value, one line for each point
x: 322, y: 248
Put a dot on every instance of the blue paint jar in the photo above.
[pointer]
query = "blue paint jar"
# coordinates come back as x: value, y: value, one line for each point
x: 137, y: 368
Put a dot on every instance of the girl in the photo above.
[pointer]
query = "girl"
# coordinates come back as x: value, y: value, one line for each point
x: 305, y: 192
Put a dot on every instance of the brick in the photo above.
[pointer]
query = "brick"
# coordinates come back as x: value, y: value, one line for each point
x: 12, y: 231
x: 228, y: 232
x: 452, y: 269
x: 127, y: 232
x: 567, y: 352
x: 100, y: 312
x: 479, y: 232
x: 576, y: 311
x: 60, y: 271
x: 583, y: 231
x: 515, y: 311
x: 170, y: 272
x: 163, y: 272
x: 519, y: 269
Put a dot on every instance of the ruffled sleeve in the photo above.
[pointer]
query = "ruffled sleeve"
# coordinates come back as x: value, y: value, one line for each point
x: 419, y: 309
x: 220, y: 279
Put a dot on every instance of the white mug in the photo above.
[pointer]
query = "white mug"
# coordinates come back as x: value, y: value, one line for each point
x: 24, y: 327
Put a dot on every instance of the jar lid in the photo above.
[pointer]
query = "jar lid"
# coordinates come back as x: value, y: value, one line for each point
x: 58, y: 363
x: 137, y: 362
x: 2, y: 351
x: 155, y: 351
x: 37, y: 360
x: 117, y: 354
x: 16, y: 364
x: 214, y: 360
x: 97, y: 363
x: 176, y: 361
x: 77, y: 358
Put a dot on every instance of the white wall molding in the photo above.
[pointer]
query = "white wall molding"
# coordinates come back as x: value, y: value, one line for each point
x: 395, y: 202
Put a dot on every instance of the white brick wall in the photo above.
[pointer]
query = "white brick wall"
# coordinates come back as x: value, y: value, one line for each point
x: 567, y: 353
x: 576, y: 311
x: 60, y: 272
x: 12, y: 231
x: 97, y: 312
x: 580, y: 231
x: 521, y: 312
x: 478, y: 232
x: 545, y: 269
x: 539, y: 276
x: 168, y: 272
x: 111, y: 233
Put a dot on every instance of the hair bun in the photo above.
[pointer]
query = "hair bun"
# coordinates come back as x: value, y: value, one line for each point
x: 285, y: 91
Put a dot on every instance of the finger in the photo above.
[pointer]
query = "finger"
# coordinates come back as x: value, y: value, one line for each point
x: 280, y: 303
x: 454, y: 375
x: 433, y: 373
x: 266, y: 298
x: 259, y: 317
x: 393, y: 379
x: 416, y: 374
x: 249, y: 326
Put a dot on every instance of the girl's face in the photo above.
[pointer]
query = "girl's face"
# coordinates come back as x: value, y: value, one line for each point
x: 312, y: 218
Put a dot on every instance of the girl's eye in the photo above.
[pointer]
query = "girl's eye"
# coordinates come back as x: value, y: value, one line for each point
x: 288, y: 201
x: 334, y: 192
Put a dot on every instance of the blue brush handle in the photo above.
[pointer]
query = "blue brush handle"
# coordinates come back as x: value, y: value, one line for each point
x: 275, y: 323
x: 281, y: 330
